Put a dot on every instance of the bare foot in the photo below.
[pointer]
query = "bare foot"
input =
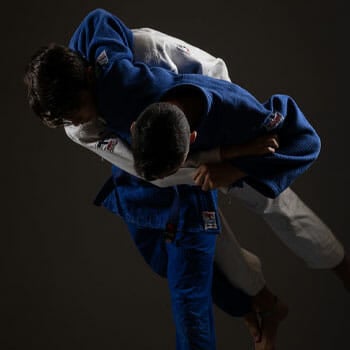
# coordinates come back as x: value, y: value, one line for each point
x: 343, y: 272
x: 253, y: 324
x: 269, y: 322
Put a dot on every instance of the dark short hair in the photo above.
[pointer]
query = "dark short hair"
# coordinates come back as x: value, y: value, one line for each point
x: 54, y: 79
x: 160, y: 140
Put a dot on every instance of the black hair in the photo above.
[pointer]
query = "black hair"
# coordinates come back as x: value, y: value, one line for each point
x: 160, y: 140
x: 54, y: 79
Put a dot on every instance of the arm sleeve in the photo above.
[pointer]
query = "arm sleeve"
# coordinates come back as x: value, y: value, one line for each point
x: 117, y: 152
x: 159, y: 49
x: 104, y: 40
x: 299, y: 148
x: 98, y: 31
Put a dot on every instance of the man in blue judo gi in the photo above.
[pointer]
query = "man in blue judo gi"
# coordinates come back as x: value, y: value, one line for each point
x: 116, y: 72
x: 201, y: 116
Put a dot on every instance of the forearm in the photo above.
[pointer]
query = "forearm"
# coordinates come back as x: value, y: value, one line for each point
x: 265, y: 144
x: 261, y: 145
x: 215, y: 175
x: 218, y: 155
x: 229, y: 152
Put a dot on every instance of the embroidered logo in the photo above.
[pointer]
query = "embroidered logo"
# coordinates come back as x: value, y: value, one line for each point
x: 183, y: 48
x: 107, y: 145
x: 102, y: 58
x: 209, y: 218
x: 273, y: 121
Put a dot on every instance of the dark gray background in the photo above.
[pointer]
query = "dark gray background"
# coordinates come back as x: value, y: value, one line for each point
x: 70, y: 275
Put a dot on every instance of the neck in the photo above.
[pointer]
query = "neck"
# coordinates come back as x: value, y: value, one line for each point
x: 192, y: 108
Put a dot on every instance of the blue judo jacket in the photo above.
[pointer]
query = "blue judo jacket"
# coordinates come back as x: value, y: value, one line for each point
x: 125, y: 88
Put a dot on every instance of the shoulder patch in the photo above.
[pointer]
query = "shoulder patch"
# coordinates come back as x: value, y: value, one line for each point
x: 273, y: 121
x: 102, y: 58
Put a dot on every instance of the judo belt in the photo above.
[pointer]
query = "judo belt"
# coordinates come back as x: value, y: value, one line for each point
x: 107, y: 188
x: 171, y: 226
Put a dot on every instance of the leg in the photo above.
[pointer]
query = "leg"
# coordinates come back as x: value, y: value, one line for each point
x: 228, y: 298
x: 299, y: 229
x: 190, y: 271
x: 151, y: 245
x: 241, y: 267
x: 189, y: 268
x: 189, y: 264
x: 236, y: 266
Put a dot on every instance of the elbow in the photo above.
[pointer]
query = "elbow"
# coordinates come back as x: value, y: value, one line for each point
x: 96, y: 13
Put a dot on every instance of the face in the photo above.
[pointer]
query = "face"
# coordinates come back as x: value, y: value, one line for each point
x: 193, y: 137
x: 87, y: 111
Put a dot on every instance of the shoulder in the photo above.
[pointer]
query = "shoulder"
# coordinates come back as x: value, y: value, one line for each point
x: 97, y: 14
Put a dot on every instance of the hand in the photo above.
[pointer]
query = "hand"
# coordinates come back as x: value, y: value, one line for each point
x: 214, y: 175
x: 262, y: 145
x: 265, y: 144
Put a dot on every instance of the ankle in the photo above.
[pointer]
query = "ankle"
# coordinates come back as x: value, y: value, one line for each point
x: 264, y: 300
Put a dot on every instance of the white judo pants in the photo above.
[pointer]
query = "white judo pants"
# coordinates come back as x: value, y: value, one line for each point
x: 296, y: 225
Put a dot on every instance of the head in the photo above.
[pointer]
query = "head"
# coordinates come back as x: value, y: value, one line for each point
x: 59, y: 84
x: 161, y: 139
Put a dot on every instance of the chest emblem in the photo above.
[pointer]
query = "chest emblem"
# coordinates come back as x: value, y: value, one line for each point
x: 107, y: 145
x: 209, y: 219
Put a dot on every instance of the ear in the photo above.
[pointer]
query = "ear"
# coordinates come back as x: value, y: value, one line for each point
x: 132, y: 127
x: 193, y: 137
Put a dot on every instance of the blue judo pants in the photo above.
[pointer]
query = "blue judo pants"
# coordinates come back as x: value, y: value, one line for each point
x: 194, y: 282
